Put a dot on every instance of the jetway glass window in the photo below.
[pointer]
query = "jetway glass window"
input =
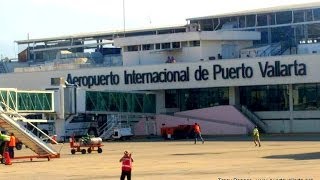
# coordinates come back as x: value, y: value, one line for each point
x: 120, y: 102
x: 265, y: 98
x: 306, y: 97
x: 34, y: 101
x: 8, y: 98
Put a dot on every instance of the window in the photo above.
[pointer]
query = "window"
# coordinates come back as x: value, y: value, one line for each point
x: 262, y: 19
x: 134, y: 48
x: 184, y: 44
x: 171, y: 99
x: 265, y: 98
x: 206, y: 25
x: 188, y: 99
x: 306, y: 97
x: 284, y: 17
x: 165, y: 46
x: 146, y: 47
x: 194, y: 43
x: 176, y: 45
x: 251, y: 20
x: 298, y: 16
x: 316, y: 14
x: 242, y: 21
x: 309, y: 16
x: 158, y: 46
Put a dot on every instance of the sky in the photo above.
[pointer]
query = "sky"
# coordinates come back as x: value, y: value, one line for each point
x: 50, y: 18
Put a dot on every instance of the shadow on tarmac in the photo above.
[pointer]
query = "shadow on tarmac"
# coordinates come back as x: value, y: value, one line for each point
x: 303, y: 156
x: 195, y: 154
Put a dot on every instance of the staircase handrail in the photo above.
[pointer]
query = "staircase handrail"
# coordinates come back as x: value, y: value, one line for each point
x: 25, y: 120
x: 264, y: 53
x: 102, y: 127
x: 254, y: 117
x: 210, y: 120
x: 111, y: 124
x: 30, y: 136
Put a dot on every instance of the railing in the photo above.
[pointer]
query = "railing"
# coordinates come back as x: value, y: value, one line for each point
x: 269, y: 51
x: 109, y: 126
x: 102, y: 128
x: 253, y: 117
x: 16, y: 116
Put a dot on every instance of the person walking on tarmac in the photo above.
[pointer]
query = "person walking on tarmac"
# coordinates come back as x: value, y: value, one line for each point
x: 197, y: 133
x: 12, y: 145
x: 126, y: 165
x: 256, y: 136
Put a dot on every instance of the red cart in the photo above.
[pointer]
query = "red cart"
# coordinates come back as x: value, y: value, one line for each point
x: 82, y: 146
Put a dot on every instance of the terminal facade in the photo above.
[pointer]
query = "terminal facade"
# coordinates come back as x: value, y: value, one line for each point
x: 265, y: 60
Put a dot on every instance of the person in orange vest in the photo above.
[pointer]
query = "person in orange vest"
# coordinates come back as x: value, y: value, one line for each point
x: 126, y: 166
x: 197, y: 133
x: 12, y: 145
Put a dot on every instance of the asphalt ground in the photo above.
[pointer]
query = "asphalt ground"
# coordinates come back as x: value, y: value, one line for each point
x: 279, y: 157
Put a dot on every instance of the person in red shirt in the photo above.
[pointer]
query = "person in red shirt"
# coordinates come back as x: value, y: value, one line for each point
x: 126, y: 166
x: 197, y: 133
x: 12, y: 145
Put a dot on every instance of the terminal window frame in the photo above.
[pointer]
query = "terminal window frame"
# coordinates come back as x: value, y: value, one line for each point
x: 306, y: 97
x: 165, y: 45
x: 133, y: 48
x: 265, y: 98
x: 189, y: 99
x: 194, y: 43
x: 176, y: 45
x: 147, y: 47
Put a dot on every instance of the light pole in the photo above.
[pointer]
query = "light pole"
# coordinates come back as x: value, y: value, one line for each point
x: 124, y: 19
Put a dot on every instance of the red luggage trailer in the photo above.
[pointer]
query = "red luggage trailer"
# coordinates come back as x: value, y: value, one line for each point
x: 81, y: 147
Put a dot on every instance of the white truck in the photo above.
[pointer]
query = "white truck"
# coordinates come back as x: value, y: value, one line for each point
x: 122, y: 133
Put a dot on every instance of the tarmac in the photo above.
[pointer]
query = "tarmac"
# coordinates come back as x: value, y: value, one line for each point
x: 224, y: 158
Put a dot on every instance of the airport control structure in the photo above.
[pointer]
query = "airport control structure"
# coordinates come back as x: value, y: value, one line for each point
x: 228, y: 72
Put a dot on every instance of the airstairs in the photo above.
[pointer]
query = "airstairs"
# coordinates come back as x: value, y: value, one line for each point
x: 12, y: 103
x: 107, y: 128
x: 12, y: 122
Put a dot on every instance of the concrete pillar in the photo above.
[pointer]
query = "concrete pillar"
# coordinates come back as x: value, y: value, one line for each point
x: 160, y: 102
x: 234, y: 95
x: 269, y: 29
x: 291, y: 108
x: 60, y: 121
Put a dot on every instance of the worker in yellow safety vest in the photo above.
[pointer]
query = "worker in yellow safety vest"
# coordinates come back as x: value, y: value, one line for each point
x: 256, y: 136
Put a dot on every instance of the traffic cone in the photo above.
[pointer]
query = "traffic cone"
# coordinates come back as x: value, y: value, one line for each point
x: 7, y: 158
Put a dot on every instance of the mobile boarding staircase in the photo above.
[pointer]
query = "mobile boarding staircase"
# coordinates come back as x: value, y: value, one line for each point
x: 106, y: 130
x: 11, y: 121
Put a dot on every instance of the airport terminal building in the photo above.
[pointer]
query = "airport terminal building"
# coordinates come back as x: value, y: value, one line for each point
x: 265, y: 63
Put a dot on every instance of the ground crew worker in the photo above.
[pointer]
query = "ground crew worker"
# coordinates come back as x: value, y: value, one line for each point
x: 256, y: 136
x: 126, y: 166
x: 197, y: 133
x: 12, y: 145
